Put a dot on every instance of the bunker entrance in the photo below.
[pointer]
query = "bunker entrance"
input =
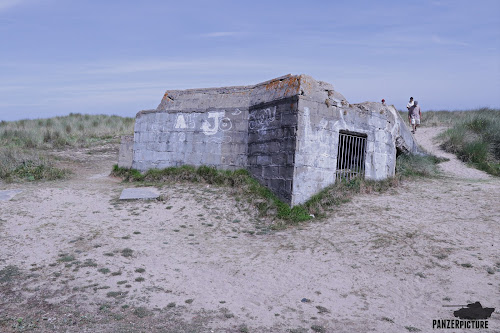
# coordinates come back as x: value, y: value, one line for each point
x: 351, y: 155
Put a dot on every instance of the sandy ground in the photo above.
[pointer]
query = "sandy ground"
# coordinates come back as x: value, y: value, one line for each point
x: 73, y: 258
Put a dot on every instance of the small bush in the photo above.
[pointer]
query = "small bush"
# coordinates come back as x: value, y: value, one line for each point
x: 66, y: 258
x: 417, y: 165
x: 9, y: 273
x: 127, y: 252
x: 141, y: 312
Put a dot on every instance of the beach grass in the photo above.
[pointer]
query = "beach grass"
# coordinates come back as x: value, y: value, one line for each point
x: 25, y: 144
x: 74, y: 130
x: 475, y: 139
x: 472, y: 135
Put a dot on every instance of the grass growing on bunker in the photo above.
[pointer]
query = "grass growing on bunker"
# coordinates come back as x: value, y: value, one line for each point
x: 240, y: 181
x: 407, y: 167
x: 268, y: 204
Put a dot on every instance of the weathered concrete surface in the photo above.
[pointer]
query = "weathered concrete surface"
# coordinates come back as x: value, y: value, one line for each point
x: 126, y: 153
x: 271, y: 144
x: 318, y: 132
x: 284, y: 131
x: 139, y: 193
x: 6, y: 195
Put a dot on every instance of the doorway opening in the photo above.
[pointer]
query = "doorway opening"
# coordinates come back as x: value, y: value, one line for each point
x: 351, y: 155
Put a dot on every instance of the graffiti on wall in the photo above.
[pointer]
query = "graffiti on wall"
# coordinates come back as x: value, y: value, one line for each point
x: 184, y: 121
x: 216, y: 121
x: 262, y: 118
x: 219, y: 122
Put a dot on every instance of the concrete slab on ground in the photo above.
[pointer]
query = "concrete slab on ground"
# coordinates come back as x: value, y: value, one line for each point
x: 6, y: 195
x: 139, y: 193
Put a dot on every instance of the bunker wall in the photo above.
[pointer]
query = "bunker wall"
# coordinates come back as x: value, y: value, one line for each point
x: 215, y: 137
x: 319, y: 125
x: 271, y: 145
x: 316, y: 149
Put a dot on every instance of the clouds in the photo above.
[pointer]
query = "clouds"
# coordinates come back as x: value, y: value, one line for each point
x: 120, y: 57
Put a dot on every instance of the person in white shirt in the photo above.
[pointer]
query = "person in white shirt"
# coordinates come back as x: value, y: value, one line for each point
x: 409, y: 106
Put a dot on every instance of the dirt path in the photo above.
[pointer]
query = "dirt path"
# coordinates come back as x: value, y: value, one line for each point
x: 453, y: 167
x: 75, y: 259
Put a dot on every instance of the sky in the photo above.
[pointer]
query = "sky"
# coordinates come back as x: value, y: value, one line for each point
x: 120, y: 56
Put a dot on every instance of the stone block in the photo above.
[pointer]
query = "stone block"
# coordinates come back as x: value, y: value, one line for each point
x: 139, y: 193
x: 286, y: 172
x: 279, y: 159
x: 263, y: 160
x: 255, y: 171
x: 277, y: 184
x: 6, y: 195
x: 252, y: 160
x: 269, y: 172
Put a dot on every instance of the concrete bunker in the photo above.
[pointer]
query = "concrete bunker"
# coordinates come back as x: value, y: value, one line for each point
x: 294, y: 134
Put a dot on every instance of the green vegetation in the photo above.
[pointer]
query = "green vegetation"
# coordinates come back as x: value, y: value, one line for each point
x: 127, y: 252
x: 75, y: 130
x: 23, y: 143
x: 21, y: 164
x: 473, y: 135
x: 269, y: 205
x: 475, y: 139
x: 9, y: 273
x: 239, y: 180
x: 451, y: 118
x: 410, y: 166
x: 448, y: 118
x: 66, y: 258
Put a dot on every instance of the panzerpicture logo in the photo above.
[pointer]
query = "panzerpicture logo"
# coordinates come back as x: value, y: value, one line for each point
x: 471, y: 316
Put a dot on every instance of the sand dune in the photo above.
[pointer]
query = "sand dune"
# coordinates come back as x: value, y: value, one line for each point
x: 75, y: 259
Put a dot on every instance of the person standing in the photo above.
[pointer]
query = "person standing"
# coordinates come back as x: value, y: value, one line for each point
x: 415, y: 116
x: 408, y: 107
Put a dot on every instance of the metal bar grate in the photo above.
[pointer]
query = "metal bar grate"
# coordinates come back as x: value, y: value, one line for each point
x: 351, y: 155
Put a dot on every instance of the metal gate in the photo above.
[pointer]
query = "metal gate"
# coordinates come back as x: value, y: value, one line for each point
x: 351, y: 155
